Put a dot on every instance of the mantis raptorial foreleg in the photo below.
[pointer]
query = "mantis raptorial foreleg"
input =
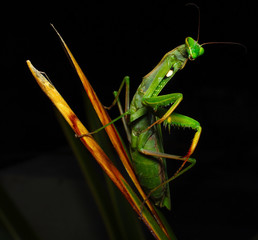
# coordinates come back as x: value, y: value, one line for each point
x: 178, y: 120
x: 184, y: 121
x: 154, y: 102
x: 173, y: 119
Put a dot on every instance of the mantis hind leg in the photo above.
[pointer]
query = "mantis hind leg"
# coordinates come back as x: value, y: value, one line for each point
x: 166, y: 198
x: 192, y: 162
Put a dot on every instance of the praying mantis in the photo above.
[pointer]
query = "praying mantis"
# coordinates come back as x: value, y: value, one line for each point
x: 147, y: 111
x: 142, y: 120
x: 145, y: 114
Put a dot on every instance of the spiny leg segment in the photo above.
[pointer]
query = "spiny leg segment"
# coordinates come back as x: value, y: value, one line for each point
x: 178, y: 120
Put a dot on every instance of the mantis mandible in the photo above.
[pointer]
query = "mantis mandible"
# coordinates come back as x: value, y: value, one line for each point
x: 145, y: 114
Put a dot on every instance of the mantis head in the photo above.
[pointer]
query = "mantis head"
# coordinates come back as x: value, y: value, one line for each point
x: 193, y: 48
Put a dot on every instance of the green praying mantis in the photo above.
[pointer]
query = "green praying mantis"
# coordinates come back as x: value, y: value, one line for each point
x: 143, y: 117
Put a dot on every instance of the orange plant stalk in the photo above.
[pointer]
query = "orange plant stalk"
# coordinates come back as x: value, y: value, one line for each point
x: 154, y: 225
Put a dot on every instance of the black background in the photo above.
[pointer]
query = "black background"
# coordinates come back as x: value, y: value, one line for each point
x: 218, y: 198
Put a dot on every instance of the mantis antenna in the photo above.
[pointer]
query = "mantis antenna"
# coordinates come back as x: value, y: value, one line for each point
x: 209, y: 43
x: 199, y: 17
x: 230, y: 43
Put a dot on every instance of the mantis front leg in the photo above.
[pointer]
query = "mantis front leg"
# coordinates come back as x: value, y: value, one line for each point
x: 178, y: 120
x: 157, y: 103
x: 183, y: 121
x: 164, y: 100
x: 174, y: 119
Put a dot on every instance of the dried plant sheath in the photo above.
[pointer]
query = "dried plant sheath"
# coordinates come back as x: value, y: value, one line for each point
x: 111, y: 131
x: 76, y: 125
x: 97, y: 152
